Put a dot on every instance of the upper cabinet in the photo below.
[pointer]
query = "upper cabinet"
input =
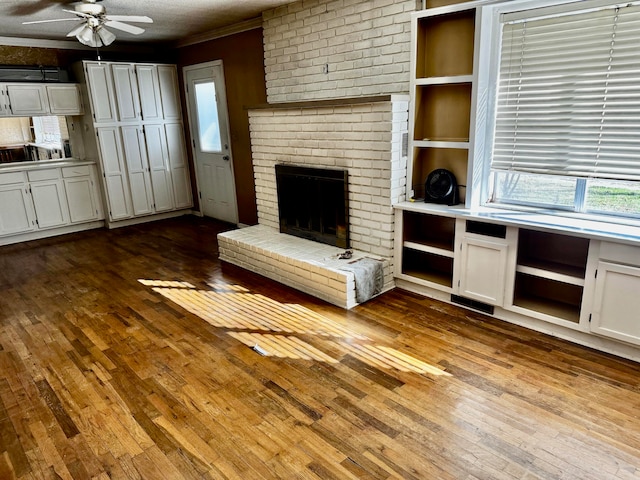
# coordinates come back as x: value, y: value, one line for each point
x: 64, y: 99
x: 101, y: 97
x: 34, y: 99
x: 130, y: 93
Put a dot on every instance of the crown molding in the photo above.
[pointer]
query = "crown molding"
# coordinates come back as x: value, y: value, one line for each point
x: 240, y: 27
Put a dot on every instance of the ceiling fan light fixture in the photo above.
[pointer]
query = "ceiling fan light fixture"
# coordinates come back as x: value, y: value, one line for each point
x: 87, y: 37
x: 105, y: 35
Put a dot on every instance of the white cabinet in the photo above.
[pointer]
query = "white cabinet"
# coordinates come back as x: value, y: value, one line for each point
x: 137, y: 168
x: 27, y: 99
x: 616, y: 299
x: 113, y: 169
x: 49, y: 199
x: 80, y: 187
x: 126, y: 92
x: 149, y: 88
x: 100, y: 89
x: 157, y: 152
x: 64, y: 99
x: 178, y: 165
x: 482, y: 266
x: 141, y: 142
x: 168, y: 78
x: 16, y: 210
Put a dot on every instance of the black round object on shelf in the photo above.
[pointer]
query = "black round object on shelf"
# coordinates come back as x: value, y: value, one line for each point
x: 441, y: 187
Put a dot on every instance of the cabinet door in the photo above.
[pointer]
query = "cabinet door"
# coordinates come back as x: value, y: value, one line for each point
x: 100, y: 92
x: 50, y: 203
x: 64, y: 99
x: 4, y: 101
x: 26, y: 99
x: 126, y: 89
x: 137, y: 170
x: 178, y: 165
x: 168, y: 77
x: 116, y: 185
x: 16, y: 212
x: 81, y: 197
x: 149, y: 89
x: 616, y: 306
x: 483, y: 270
x: 157, y: 153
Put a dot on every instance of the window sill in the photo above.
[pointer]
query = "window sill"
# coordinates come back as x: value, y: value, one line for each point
x: 539, y: 219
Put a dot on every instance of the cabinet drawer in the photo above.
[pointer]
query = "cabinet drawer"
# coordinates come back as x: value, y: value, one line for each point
x: 80, y: 171
x: 619, y: 253
x: 49, y: 174
x: 11, y: 177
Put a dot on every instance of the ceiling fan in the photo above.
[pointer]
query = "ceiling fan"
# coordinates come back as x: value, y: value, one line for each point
x: 92, y: 31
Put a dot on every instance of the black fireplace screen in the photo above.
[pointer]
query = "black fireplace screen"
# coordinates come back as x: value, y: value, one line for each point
x: 313, y: 203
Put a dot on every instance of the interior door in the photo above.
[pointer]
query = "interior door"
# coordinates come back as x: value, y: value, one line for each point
x: 209, y: 130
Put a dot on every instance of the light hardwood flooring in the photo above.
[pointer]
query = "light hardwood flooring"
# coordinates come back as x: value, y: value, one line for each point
x: 133, y: 354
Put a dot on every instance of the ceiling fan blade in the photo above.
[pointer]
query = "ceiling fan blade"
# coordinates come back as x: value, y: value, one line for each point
x: 124, y: 27
x: 49, y: 21
x: 129, y: 18
x: 79, y: 14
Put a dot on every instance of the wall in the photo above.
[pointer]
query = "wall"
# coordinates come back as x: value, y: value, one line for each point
x: 363, y: 44
x: 365, y: 139
x: 243, y: 65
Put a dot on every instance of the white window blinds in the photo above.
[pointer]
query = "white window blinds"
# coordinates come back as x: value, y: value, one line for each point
x: 569, y: 94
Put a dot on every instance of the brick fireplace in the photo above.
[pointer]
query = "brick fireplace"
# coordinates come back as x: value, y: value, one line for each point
x: 363, y: 136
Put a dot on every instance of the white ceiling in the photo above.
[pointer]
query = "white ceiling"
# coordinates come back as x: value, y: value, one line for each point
x: 174, y: 20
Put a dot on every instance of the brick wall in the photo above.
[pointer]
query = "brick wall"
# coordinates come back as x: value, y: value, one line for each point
x: 365, y: 139
x: 318, y: 49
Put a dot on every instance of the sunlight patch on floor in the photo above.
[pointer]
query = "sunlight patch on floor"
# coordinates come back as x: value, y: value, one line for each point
x: 281, y: 346
x: 233, y: 307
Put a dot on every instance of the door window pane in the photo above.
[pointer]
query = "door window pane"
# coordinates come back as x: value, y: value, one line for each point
x: 208, y: 124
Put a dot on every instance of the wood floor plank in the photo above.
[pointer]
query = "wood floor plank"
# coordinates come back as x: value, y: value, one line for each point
x: 116, y: 362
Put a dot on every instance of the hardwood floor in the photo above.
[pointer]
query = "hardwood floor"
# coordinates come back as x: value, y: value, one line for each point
x: 131, y: 354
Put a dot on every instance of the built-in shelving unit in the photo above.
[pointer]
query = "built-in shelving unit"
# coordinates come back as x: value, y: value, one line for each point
x: 550, y: 273
x: 442, y: 94
x: 428, y: 248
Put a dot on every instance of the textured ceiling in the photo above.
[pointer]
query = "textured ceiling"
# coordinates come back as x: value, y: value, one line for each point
x: 174, y: 20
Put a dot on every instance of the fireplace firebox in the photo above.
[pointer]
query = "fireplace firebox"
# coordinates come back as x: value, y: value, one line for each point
x: 313, y: 203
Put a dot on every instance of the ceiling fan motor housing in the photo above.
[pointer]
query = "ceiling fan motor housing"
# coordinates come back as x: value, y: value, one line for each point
x: 90, y: 8
x: 441, y: 187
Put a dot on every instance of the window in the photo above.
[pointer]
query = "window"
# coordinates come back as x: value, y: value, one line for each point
x: 566, y: 130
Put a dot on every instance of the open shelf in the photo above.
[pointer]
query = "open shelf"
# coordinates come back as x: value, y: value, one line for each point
x: 557, y: 299
x: 437, y: 37
x: 429, y: 230
x: 428, y: 266
x: 552, y: 252
x: 425, y: 160
x: 442, y: 112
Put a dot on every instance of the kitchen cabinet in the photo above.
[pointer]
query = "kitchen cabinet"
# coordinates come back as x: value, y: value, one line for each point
x: 126, y: 92
x: 27, y: 99
x: 178, y: 165
x: 100, y: 92
x: 64, y: 99
x: 81, y: 194
x: 49, y: 200
x: 16, y: 210
x: 150, y: 95
x: 135, y: 154
x: 114, y: 173
x: 157, y: 150
x: 168, y: 80
x: 142, y: 149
